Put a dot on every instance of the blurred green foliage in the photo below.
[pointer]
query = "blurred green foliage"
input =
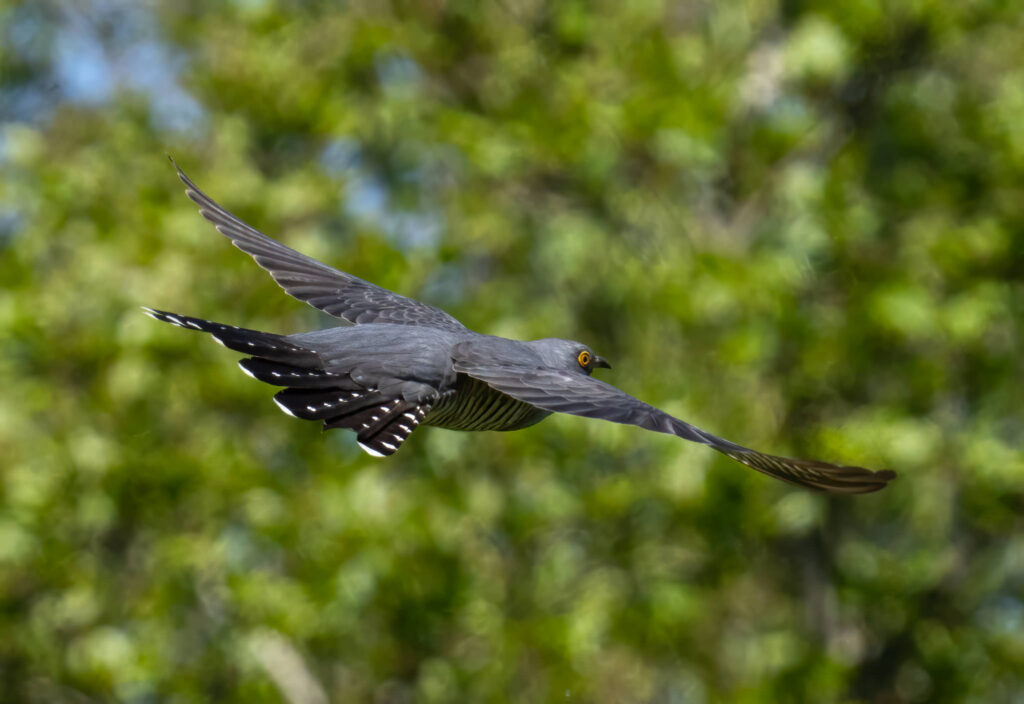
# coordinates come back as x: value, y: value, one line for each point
x: 797, y: 224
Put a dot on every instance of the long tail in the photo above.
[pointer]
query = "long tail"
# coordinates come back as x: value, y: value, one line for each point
x: 381, y: 422
x: 259, y: 344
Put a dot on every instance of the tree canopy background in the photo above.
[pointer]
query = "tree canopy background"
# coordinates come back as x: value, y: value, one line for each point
x: 797, y: 224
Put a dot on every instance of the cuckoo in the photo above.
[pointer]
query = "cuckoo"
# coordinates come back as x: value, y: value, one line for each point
x: 401, y: 363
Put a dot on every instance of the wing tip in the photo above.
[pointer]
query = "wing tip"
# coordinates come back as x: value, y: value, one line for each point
x: 191, y: 189
x: 816, y: 475
x: 857, y: 479
x: 181, y: 174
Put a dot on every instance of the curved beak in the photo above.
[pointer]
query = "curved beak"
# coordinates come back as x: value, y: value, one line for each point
x: 601, y: 362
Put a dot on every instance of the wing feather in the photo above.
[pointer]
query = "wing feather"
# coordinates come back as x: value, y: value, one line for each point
x: 577, y: 394
x: 326, y: 288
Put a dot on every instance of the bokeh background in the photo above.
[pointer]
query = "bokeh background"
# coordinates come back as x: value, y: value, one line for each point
x: 799, y: 224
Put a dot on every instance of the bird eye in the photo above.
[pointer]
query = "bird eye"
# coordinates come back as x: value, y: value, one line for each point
x: 584, y: 359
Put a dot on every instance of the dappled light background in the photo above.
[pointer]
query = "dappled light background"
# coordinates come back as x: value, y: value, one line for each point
x: 798, y: 224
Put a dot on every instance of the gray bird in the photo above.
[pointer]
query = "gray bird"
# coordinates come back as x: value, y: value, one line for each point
x: 403, y: 363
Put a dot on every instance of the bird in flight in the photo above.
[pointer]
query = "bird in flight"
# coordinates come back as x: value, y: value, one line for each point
x: 402, y: 363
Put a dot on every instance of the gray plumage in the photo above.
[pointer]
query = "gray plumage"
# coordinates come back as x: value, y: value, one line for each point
x: 404, y: 363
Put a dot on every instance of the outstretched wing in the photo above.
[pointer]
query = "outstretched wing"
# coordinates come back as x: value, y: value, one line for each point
x: 334, y: 292
x: 567, y: 392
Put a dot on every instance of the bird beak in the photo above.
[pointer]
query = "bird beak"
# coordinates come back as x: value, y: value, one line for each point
x: 601, y: 362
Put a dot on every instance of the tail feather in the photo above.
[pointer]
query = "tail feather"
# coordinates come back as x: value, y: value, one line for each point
x: 324, y: 404
x: 281, y: 374
x: 260, y: 344
x: 381, y: 421
x: 381, y: 429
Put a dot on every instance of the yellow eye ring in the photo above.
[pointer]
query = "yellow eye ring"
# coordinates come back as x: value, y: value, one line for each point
x: 584, y: 359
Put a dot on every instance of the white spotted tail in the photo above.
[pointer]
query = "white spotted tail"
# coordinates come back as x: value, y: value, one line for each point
x: 259, y: 344
x: 381, y: 423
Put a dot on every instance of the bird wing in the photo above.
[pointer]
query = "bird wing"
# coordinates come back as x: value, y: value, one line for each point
x: 568, y: 392
x: 332, y: 291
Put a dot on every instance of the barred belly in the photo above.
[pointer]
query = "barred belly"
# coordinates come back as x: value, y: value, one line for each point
x: 474, y: 405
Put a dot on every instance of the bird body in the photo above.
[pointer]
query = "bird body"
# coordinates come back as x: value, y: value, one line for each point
x: 403, y: 363
x: 421, y: 367
x: 380, y: 350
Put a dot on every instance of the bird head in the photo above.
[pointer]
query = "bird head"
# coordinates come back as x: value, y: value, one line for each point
x: 569, y: 355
